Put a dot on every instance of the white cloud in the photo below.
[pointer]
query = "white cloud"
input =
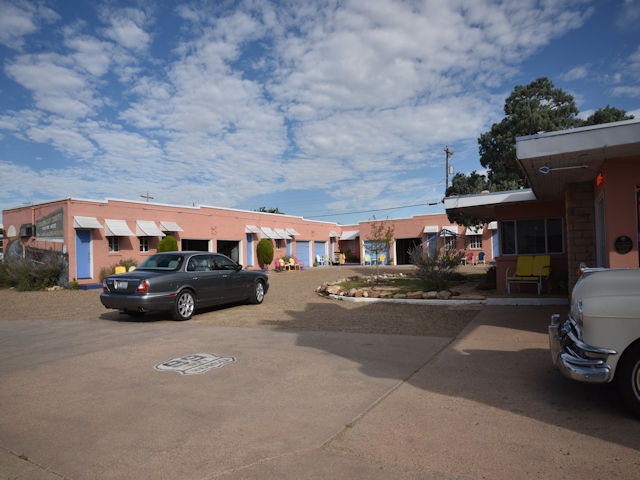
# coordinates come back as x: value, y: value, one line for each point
x: 576, y: 73
x: 21, y: 18
x: 127, y: 28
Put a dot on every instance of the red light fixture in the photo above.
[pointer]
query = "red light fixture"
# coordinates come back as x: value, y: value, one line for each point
x: 599, y: 179
x: 143, y: 286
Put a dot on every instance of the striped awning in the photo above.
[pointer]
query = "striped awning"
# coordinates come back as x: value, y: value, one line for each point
x: 267, y: 232
x: 284, y: 235
x: 493, y: 226
x: 477, y: 230
x: 431, y: 229
x: 170, y: 227
x: 251, y: 229
x: 292, y: 232
x: 85, y: 222
x: 117, y: 228
x: 147, y: 228
x: 449, y: 230
x: 350, y: 235
x: 333, y: 234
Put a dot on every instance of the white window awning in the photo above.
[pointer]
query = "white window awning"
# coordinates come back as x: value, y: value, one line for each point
x: 449, y: 230
x: 147, y: 228
x: 251, y: 229
x: 350, y: 235
x: 478, y: 230
x: 282, y: 233
x: 117, y: 228
x: 267, y: 232
x: 333, y: 234
x: 170, y: 227
x: 292, y: 232
x: 493, y: 225
x: 431, y: 229
x: 84, y: 222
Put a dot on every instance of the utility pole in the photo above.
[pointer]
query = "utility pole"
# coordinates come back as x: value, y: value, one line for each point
x: 448, y: 153
x: 147, y: 196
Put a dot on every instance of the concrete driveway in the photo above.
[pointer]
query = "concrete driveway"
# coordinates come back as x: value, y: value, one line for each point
x: 81, y: 399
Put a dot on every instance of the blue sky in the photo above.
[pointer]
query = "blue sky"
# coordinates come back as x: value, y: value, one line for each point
x: 314, y: 107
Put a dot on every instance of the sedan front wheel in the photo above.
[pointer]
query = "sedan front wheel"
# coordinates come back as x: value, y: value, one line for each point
x: 184, y: 306
x: 629, y: 379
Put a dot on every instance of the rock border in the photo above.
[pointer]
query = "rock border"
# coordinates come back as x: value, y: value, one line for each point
x: 333, y: 290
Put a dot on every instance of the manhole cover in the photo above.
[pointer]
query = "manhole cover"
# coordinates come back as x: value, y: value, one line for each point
x: 195, y: 364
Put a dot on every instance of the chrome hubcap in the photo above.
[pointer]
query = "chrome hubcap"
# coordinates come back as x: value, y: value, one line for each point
x: 185, y: 305
x: 635, y: 378
x: 259, y: 292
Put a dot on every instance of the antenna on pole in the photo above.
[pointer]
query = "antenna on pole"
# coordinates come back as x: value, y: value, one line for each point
x: 147, y: 196
x: 449, y: 170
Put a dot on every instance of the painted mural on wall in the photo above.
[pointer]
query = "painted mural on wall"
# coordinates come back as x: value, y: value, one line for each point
x: 51, y: 226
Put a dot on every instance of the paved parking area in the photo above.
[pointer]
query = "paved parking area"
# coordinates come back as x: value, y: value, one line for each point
x: 81, y: 399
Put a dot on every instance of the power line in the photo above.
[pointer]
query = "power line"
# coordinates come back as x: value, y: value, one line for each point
x: 377, y: 210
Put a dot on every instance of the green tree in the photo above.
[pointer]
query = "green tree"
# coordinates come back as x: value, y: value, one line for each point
x: 606, y: 115
x: 529, y: 109
x: 265, y: 252
x: 168, y: 244
x: 269, y: 210
x: 380, y: 239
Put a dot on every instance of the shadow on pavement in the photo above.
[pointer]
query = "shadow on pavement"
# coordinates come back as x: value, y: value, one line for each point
x: 502, y: 361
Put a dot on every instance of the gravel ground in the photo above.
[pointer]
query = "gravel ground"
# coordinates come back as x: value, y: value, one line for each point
x: 290, y: 304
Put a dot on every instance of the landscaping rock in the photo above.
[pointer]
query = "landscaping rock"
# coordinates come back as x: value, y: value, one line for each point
x: 334, y: 290
x: 430, y: 295
x: 365, y: 294
x: 415, y: 295
x: 399, y: 295
x: 373, y: 294
x: 444, y: 294
x: 359, y: 293
x: 352, y: 292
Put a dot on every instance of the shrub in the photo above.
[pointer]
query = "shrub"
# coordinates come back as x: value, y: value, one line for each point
x: 31, y: 274
x: 127, y: 263
x: 265, y: 252
x: 435, y: 271
x: 168, y: 244
x: 74, y: 285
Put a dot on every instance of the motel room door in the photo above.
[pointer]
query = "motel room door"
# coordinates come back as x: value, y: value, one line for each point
x: 83, y: 254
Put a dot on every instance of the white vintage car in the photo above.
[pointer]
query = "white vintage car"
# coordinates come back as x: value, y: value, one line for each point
x: 600, y: 341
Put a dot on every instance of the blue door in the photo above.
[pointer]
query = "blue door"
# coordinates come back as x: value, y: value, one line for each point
x: 289, y: 247
x: 319, y: 249
x: 83, y: 254
x: 494, y: 241
x: 249, y: 249
x: 331, y: 248
x: 432, y: 244
x: 302, y: 252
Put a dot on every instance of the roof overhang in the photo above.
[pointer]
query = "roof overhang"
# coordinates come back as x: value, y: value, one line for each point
x: 552, y: 160
x: 482, y: 205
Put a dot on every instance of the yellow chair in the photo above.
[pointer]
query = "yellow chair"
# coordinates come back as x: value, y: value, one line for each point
x: 120, y: 269
x: 382, y: 259
x: 530, y: 269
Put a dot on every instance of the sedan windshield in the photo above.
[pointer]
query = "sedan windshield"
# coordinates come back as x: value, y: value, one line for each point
x: 161, y: 263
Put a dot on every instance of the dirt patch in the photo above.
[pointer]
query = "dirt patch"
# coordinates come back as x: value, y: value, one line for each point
x: 290, y: 304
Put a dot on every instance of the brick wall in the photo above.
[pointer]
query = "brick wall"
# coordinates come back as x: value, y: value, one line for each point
x: 580, y: 218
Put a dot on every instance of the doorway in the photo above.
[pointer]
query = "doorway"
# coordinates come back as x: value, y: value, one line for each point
x: 190, y: 244
x: 403, y: 245
x: 230, y: 248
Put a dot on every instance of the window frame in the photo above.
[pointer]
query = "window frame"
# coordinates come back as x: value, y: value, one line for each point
x: 113, y: 244
x: 450, y: 240
x: 516, y: 251
x: 475, y: 241
x: 144, y: 244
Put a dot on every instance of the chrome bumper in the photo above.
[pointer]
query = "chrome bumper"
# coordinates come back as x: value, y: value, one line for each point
x: 574, y: 358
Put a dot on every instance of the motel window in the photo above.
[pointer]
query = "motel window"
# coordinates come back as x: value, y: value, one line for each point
x: 450, y: 243
x: 475, y: 241
x: 114, y: 246
x: 144, y: 244
x: 532, y: 236
x: 278, y: 243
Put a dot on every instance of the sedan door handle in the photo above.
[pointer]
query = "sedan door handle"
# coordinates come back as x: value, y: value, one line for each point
x: 194, y: 278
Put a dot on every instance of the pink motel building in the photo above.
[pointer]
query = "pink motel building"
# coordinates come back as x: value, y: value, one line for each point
x: 583, y: 205
x: 97, y: 234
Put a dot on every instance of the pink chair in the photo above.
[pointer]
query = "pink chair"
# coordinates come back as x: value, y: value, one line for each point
x: 468, y: 259
x: 299, y: 266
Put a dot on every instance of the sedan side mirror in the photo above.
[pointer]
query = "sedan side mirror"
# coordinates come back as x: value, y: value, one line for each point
x: 238, y: 267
